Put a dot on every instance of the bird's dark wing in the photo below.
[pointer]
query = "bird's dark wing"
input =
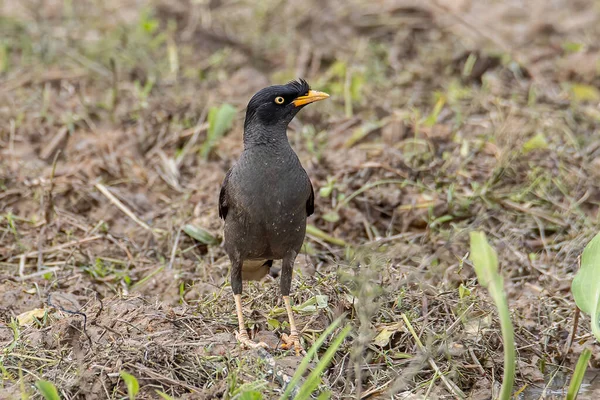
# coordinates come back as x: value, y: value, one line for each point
x: 223, y: 205
x: 310, y: 203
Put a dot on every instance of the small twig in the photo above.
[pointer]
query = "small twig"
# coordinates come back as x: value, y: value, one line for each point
x: 450, y: 385
x: 99, y: 299
x: 28, y: 357
x: 41, y: 240
x: 174, y: 250
x: 62, y: 246
x: 48, y: 210
x: 534, y: 212
x: 51, y: 147
x: 22, y: 265
x: 115, y: 88
x: 49, y: 302
x: 38, y: 273
x: 477, y: 363
x: 573, y: 332
x: 575, y: 321
x: 161, y: 378
x: 122, y: 247
x: 124, y: 208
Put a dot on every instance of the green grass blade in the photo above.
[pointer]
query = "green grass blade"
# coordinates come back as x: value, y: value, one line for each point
x: 315, y: 376
x: 316, y: 232
x: 220, y: 120
x: 48, y: 390
x: 309, y: 355
x: 578, y: 374
x: 200, y: 234
x: 484, y: 258
x: 485, y: 262
x: 164, y: 395
x: 133, y: 387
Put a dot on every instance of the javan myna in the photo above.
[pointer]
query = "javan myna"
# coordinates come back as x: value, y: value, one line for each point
x: 266, y: 197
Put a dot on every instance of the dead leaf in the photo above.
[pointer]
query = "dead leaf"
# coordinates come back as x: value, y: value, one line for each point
x: 27, y: 317
x: 473, y: 326
x: 383, y: 337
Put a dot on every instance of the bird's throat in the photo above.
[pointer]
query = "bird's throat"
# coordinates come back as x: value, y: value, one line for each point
x: 272, y: 136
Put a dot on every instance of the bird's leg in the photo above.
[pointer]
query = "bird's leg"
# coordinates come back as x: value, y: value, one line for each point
x: 236, y: 285
x: 242, y: 334
x: 293, y: 339
x: 286, y: 282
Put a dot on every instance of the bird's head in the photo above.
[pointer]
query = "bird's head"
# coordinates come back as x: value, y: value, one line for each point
x: 278, y: 105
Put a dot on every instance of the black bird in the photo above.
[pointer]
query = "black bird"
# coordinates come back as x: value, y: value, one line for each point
x: 266, y: 197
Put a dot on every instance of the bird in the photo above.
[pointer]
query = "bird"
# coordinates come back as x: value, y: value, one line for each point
x: 266, y: 198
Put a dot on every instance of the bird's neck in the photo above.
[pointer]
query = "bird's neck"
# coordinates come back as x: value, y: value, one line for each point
x: 272, y: 136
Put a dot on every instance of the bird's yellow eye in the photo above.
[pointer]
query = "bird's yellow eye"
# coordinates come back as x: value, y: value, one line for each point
x: 279, y: 100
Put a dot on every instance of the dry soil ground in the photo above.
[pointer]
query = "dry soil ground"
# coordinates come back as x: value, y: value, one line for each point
x: 444, y: 117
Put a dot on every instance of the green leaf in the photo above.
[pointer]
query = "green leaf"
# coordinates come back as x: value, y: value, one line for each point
x: 251, y: 395
x: 586, y: 284
x: 47, y: 389
x: 220, y: 120
x: 463, y: 291
x: 325, y: 191
x: 538, y: 142
x: 582, y: 93
x: 313, y: 304
x: 133, y: 387
x: 201, y: 235
x: 148, y: 24
x: 572, y: 47
x: 331, y: 216
x: 578, y: 374
x: 485, y: 260
x: 469, y: 64
x: 437, y: 109
x: 273, y: 323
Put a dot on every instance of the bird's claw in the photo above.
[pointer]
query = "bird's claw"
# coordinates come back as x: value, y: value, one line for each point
x: 245, y: 342
x: 292, y: 340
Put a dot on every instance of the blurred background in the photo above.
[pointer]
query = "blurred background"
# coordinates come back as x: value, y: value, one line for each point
x: 119, y: 119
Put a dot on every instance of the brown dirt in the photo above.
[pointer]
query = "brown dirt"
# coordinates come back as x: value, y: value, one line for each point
x: 407, y: 183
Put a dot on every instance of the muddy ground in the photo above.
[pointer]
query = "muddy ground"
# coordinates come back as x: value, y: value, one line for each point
x: 444, y: 117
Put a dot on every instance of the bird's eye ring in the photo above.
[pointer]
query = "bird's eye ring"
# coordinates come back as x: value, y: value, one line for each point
x: 279, y: 100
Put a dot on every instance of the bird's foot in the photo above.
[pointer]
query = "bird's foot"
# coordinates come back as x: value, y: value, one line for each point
x: 246, y: 343
x: 292, y: 340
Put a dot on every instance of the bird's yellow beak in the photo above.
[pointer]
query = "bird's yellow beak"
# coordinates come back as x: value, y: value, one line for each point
x: 311, y: 97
